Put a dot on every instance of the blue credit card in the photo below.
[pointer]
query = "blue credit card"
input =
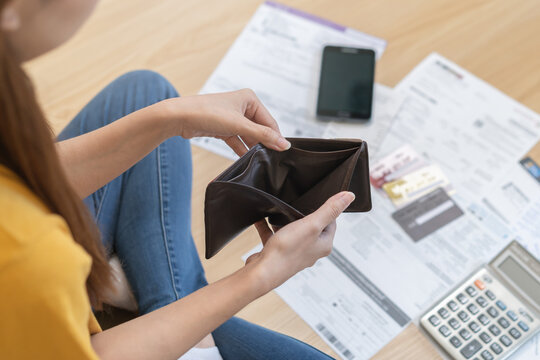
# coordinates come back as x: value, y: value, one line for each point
x: 532, y: 167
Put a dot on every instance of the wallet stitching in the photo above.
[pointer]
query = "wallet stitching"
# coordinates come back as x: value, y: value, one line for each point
x: 352, y: 142
x: 325, y: 153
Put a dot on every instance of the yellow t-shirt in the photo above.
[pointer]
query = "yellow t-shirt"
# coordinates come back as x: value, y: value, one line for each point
x: 45, y: 312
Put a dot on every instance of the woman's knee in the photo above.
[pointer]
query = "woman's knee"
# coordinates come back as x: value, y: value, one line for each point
x: 126, y: 94
x: 146, y: 84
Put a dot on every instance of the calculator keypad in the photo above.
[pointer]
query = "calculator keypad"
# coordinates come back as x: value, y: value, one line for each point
x: 503, y: 322
x: 452, y: 305
x: 515, y: 333
x: 465, y: 334
x: 481, y: 301
x: 523, y: 326
x: 477, y: 323
x: 443, y: 313
x: 512, y: 315
x: 484, y: 319
x: 474, y: 327
x: 471, y: 348
x: 434, y: 320
x: 492, y: 312
x: 494, y: 330
x: 455, y: 341
x: 462, y: 298
x: 496, y: 348
x: 490, y: 295
x: 463, y: 316
x: 505, y: 340
x: 473, y: 309
x: 445, y: 331
x: 486, y: 355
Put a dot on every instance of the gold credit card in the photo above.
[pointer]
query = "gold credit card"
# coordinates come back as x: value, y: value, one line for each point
x: 415, y: 184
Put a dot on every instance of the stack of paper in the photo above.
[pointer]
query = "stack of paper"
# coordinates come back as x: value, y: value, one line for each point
x: 384, y: 272
x: 278, y: 56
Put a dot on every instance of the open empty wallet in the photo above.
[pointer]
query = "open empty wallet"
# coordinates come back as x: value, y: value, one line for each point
x: 284, y: 186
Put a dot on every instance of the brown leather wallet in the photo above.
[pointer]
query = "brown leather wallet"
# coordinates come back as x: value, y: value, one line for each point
x: 284, y: 186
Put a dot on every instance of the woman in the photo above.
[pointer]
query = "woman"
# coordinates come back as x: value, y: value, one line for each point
x: 127, y: 155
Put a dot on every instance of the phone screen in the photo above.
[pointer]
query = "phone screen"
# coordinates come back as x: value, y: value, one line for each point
x: 346, y: 83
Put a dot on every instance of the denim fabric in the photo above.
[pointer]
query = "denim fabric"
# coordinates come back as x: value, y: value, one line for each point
x: 144, y: 216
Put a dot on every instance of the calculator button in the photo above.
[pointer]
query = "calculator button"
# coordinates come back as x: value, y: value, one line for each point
x: 452, y: 305
x: 512, y: 315
x: 490, y: 295
x: 506, y: 340
x: 479, y: 284
x: 523, y: 326
x: 455, y: 341
x: 486, y: 355
x: 474, y: 327
x: 465, y: 334
x: 494, y: 330
x: 485, y: 337
x: 503, y: 322
x: 454, y: 323
x: 471, y: 291
x: 463, y: 316
x: 483, y: 319
x: 443, y: 313
x: 444, y: 331
x: 473, y: 309
x: 482, y: 301
x: 525, y: 315
x: 500, y: 305
x: 515, y: 333
x: 470, y: 349
x: 462, y: 298
x: 434, y: 320
x: 496, y: 348
x: 492, y: 312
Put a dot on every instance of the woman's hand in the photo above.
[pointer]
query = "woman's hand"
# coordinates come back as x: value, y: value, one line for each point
x: 237, y: 117
x: 299, y: 244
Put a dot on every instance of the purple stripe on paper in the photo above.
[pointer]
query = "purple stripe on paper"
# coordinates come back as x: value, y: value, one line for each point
x: 307, y: 16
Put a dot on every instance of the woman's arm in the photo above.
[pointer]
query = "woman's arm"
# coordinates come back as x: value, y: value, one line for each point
x: 94, y: 159
x: 172, y: 330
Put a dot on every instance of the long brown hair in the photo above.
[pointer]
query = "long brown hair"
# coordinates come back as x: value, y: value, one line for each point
x: 27, y: 148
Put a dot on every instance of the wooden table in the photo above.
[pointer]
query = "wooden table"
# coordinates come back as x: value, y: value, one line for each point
x: 497, y: 40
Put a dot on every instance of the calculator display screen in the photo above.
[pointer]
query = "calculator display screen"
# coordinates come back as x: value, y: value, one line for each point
x: 523, y: 279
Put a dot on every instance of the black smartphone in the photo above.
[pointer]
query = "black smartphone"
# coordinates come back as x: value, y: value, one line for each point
x: 346, y: 83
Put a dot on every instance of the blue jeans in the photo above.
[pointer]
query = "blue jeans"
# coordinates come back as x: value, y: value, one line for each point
x: 144, y: 217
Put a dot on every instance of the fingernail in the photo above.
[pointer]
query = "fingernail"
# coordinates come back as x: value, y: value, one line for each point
x: 348, y: 196
x: 284, y: 144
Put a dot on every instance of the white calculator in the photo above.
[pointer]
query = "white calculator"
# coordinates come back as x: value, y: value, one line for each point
x: 491, y: 313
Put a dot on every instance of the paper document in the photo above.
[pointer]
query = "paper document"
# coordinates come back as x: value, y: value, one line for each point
x: 278, y: 55
x: 379, y: 276
x: 386, y: 103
